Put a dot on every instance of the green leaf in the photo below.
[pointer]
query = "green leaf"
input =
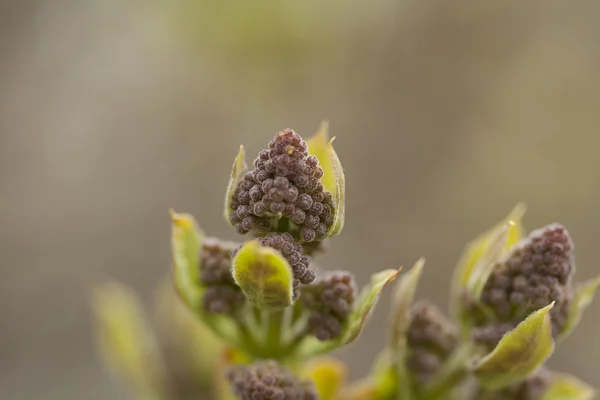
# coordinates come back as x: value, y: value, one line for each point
x: 477, y: 248
x: 519, y: 353
x: 126, y: 341
x: 333, y: 179
x: 584, y: 294
x: 402, y: 299
x: 567, y: 387
x: 186, y: 242
x: 360, y: 313
x: 476, y: 263
x: 264, y: 276
x: 237, y: 171
x: 485, y: 265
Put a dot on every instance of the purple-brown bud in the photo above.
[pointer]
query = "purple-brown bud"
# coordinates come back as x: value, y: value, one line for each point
x: 269, y: 381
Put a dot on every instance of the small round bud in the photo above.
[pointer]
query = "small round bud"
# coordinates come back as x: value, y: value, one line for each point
x: 304, y: 201
x: 277, y: 207
x: 243, y: 197
x: 298, y: 217
x: 281, y: 183
x: 307, y: 234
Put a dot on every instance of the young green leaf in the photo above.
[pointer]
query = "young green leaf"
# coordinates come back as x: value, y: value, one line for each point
x: 519, y: 353
x: 333, y: 179
x: 567, y: 387
x: 478, y: 253
x: 485, y: 265
x: 356, y: 321
x: 186, y: 242
x: 583, y: 298
x: 264, y: 276
x: 126, y: 341
x: 237, y: 171
x: 402, y: 299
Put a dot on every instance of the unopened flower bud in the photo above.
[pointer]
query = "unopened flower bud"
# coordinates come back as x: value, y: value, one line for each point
x: 431, y: 338
x: 284, y: 183
x: 269, y: 381
x: 536, y: 273
x: 221, y: 294
x: 330, y: 302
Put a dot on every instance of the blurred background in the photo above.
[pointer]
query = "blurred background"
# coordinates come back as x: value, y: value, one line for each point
x: 446, y: 115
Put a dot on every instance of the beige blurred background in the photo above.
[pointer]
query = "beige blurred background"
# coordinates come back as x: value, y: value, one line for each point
x: 446, y: 113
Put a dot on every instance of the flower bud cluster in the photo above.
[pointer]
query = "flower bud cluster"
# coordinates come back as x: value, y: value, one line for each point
x: 269, y: 381
x: 431, y: 338
x: 330, y: 301
x: 537, y: 272
x: 284, y: 183
x: 221, y: 294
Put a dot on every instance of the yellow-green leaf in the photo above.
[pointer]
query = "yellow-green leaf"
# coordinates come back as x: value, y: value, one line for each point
x: 237, y: 171
x: 475, y: 249
x: 361, y: 310
x: 567, y: 387
x: 519, y: 353
x: 186, y: 242
x: 264, y: 276
x: 476, y: 263
x: 485, y: 265
x: 333, y: 179
x: 328, y: 374
x: 317, y: 146
x: 126, y: 342
x: 402, y: 299
x: 583, y: 298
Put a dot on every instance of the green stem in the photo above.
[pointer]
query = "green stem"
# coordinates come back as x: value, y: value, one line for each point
x: 273, y: 333
x: 453, y: 373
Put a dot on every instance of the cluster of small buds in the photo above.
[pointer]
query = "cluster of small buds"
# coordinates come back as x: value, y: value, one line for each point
x: 431, y: 338
x: 269, y: 381
x: 533, y: 388
x: 221, y: 294
x: 284, y: 183
x: 330, y: 301
x: 537, y: 272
